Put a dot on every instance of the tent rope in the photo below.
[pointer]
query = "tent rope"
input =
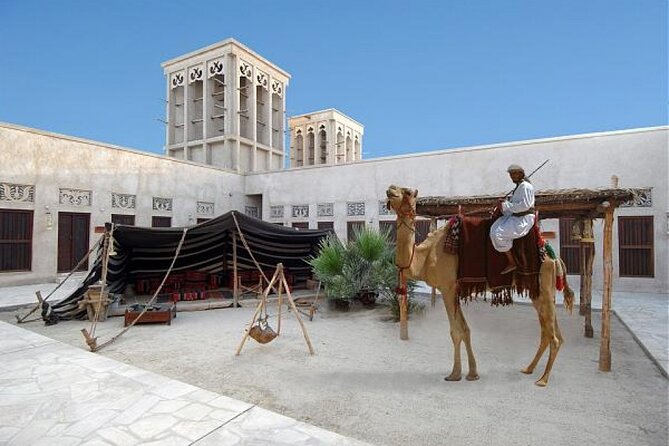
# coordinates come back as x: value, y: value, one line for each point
x: 39, y: 304
x: 246, y: 245
x: 91, y: 341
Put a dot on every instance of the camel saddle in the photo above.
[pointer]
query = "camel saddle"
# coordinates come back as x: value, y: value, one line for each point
x: 480, y: 264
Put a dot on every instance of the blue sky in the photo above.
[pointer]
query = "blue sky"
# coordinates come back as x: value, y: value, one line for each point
x: 419, y: 75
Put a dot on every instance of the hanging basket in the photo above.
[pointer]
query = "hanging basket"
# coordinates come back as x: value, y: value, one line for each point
x: 262, y: 332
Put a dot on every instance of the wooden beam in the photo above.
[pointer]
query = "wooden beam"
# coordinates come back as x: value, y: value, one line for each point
x: 587, y: 258
x: 433, y: 295
x: 605, y: 346
x: 235, y: 286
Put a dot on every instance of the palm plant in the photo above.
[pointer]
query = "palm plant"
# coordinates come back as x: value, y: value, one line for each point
x: 363, y: 268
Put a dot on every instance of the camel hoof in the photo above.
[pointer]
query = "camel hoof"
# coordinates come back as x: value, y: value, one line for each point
x: 453, y: 378
x: 527, y: 371
x: 472, y: 377
x: 542, y: 383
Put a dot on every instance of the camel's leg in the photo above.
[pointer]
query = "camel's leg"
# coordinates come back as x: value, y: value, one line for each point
x: 466, y: 336
x: 554, y: 337
x: 450, y: 303
x: 543, y: 342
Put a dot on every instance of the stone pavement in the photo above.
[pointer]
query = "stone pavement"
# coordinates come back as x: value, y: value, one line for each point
x: 55, y: 394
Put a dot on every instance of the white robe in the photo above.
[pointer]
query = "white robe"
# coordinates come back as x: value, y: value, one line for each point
x: 508, y: 227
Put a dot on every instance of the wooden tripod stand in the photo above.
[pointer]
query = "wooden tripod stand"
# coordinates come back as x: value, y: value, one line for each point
x: 279, y: 278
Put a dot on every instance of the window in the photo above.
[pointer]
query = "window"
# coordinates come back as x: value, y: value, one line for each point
x: 352, y: 227
x: 120, y: 219
x: 326, y: 225
x: 16, y: 240
x: 635, y: 247
x: 161, y: 222
x: 202, y: 220
x: 389, y: 226
x: 569, y: 248
x: 300, y: 225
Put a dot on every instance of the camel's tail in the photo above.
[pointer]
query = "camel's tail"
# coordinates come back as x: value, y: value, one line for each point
x: 563, y: 285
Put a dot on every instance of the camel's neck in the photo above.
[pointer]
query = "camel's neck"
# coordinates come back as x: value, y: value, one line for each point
x: 406, y: 238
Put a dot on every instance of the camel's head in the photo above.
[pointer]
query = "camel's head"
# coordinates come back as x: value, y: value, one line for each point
x: 402, y: 200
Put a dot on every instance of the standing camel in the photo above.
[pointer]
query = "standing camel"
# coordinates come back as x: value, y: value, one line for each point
x: 430, y: 263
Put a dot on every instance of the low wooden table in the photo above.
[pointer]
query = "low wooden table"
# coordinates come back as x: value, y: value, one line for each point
x: 157, y: 314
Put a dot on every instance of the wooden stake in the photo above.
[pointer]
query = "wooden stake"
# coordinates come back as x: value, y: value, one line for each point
x: 587, y: 258
x: 280, y: 301
x: 297, y: 315
x: 263, y: 301
x: 433, y: 296
x: 605, y: 346
x: 404, y: 309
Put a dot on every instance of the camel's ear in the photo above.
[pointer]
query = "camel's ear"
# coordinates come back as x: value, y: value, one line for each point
x: 415, y: 193
x: 388, y: 204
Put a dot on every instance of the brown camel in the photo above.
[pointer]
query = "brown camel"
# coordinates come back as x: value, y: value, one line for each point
x: 428, y: 262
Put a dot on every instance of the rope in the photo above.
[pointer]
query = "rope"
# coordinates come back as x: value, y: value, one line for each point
x: 151, y: 301
x: 243, y: 239
x: 39, y: 304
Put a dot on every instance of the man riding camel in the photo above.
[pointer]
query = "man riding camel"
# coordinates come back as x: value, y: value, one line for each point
x: 517, y: 216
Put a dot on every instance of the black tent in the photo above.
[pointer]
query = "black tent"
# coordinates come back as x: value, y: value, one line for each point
x: 207, y: 247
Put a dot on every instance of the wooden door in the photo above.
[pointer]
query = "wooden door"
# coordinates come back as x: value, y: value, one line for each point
x: 73, y: 239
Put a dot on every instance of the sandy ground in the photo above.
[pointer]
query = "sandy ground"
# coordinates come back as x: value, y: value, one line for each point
x: 365, y: 383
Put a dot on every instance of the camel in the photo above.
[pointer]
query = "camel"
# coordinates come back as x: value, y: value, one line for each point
x: 429, y: 262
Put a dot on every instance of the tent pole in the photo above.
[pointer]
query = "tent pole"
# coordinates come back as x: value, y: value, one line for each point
x: 235, y: 279
x: 433, y: 296
x: 605, y: 346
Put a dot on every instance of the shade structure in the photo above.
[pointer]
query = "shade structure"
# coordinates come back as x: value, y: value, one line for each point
x: 207, y: 247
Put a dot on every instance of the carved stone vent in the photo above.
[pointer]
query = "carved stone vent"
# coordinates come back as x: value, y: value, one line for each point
x: 123, y: 201
x: 251, y: 211
x: 205, y: 208
x: 177, y: 79
x: 325, y: 210
x: 355, y: 208
x: 17, y: 192
x: 162, y: 204
x: 276, y: 212
x: 75, y: 197
x: 643, y: 200
x: 301, y: 211
x: 215, y: 67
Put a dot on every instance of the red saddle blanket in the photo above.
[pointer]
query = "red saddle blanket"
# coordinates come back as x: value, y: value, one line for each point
x: 480, y: 265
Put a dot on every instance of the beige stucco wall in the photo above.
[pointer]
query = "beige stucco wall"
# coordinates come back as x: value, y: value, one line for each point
x: 638, y: 157
x: 51, y: 161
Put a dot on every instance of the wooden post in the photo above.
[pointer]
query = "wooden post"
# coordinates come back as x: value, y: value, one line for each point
x: 297, y: 314
x: 280, y: 301
x: 605, y: 346
x: 404, y: 309
x: 235, y: 286
x: 587, y: 258
x: 433, y: 296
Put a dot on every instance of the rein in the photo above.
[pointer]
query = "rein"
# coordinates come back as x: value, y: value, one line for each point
x: 405, y: 210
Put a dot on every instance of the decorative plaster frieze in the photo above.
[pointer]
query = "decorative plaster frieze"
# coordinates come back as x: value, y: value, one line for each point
x: 325, y: 210
x: 262, y: 79
x: 75, y: 197
x: 277, y: 87
x: 205, y: 208
x: 301, y: 211
x: 383, y: 208
x: 123, y: 201
x: 245, y: 69
x: 195, y: 74
x: 177, y: 79
x: 276, y: 212
x: 17, y: 192
x: 643, y: 200
x: 355, y: 208
x: 251, y: 211
x: 162, y: 204
x: 215, y: 67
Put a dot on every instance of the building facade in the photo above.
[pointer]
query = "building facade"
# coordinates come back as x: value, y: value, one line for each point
x: 56, y: 193
x: 226, y: 108
x: 324, y: 137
